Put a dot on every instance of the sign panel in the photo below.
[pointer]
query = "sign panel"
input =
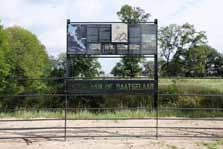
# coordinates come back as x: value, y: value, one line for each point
x: 110, y: 87
x: 119, y: 32
x: 111, y: 39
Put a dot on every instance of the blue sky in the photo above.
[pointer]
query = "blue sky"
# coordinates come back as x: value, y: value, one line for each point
x: 47, y: 18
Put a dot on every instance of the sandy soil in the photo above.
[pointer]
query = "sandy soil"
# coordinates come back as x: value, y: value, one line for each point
x: 110, y: 142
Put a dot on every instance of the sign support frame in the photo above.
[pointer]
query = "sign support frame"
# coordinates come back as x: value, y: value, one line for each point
x: 155, y: 75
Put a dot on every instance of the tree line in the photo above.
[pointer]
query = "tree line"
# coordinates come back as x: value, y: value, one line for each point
x: 183, y: 51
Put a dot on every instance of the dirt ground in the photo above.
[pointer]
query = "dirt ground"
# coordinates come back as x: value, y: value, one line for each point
x: 148, y: 141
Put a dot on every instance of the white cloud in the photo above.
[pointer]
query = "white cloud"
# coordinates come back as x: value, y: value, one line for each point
x: 207, y: 17
x: 47, y: 18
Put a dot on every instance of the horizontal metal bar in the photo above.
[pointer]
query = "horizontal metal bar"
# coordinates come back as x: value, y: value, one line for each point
x: 204, y: 95
x: 111, y: 119
x: 71, y: 55
x: 62, y: 78
x: 88, y: 22
x: 191, y: 78
x: 141, y: 136
x: 41, y: 78
x: 70, y: 94
x: 32, y: 128
x: 31, y: 120
x: 114, y: 108
x: 190, y: 136
x: 70, y: 78
x: 151, y: 118
x: 139, y: 127
x: 112, y: 127
x: 113, y: 93
x: 113, y: 136
x: 35, y: 95
x: 75, y: 119
x: 78, y: 136
x: 111, y: 80
x: 164, y: 109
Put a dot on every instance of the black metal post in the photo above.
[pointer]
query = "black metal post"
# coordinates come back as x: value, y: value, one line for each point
x: 156, y: 81
x: 65, y: 86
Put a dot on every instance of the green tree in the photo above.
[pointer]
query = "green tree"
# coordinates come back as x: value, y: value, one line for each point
x: 78, y: 66
x: 175, y: 41
x: 203, y: 61
x: 129, y: 14
x: 214, y: 62
x: 130, y: 66
x: 84, y: 67
x: 195, y: 60
x: 4, y: 66
x: 27, y: 59
x: 169, y: 38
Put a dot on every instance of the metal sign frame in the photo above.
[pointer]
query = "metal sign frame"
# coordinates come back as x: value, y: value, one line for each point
x: 85, y: 86
x: 114, y: 83
x: 69, y: 55
x: 100, y: 38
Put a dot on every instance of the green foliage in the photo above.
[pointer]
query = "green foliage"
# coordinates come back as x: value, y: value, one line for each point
x: 4, y: 66
x: 129, y: 66
x: 84, y: 67
x: 78, y: 66
x: 214, y: 63
x: 191, y: 86
x: 195, y: 60
x: 131, y: 14
x: 213, y: 145
x: 178, y: 45
x: 169, y: 37
x: 27, y: 59
x: 188, y: 102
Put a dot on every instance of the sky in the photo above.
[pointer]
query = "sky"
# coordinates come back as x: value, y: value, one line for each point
x: 47, y: 18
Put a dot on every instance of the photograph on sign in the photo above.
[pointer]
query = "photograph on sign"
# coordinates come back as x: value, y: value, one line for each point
x: 122, y: 48
x: 105, y: 33
x: 77, y: 38
x: 92, y: 33
x: 148, y: 39
x: 108, y: 49
x: 134, y: 33
x: 94, y: 48
x: 119, y: 32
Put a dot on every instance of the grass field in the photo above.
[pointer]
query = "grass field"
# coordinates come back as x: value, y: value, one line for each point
x: 172, y: 86
x: 193, y: 85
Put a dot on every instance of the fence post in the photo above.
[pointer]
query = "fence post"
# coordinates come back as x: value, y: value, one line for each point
x: 156, y: 81
x: 65, y: 86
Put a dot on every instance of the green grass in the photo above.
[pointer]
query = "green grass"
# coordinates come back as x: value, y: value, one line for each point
x: 213, y: 145
x: 191, y: 86
x: 103, y: 115
x: 194, y: 85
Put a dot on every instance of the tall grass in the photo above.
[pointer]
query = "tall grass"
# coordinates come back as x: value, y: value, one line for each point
x: 23, y: 114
